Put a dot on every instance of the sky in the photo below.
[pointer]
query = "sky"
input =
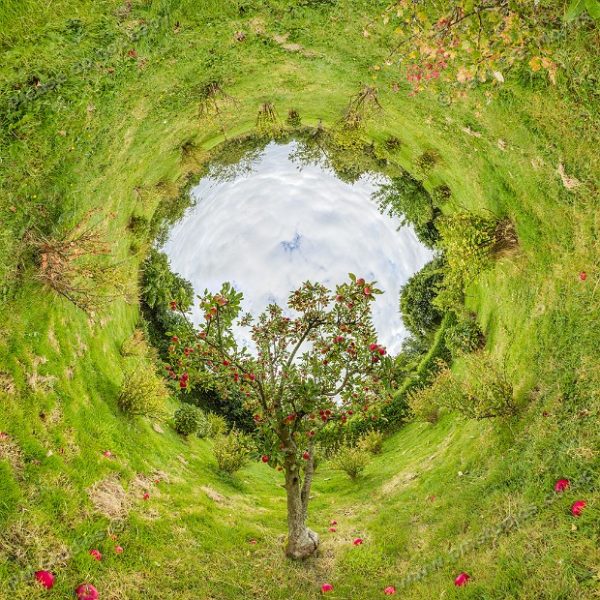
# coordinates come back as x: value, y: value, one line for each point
x: 268, y: 229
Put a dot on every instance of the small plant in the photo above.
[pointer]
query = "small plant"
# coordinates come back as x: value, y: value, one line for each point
x: 487, y: 389
x: 371, y: 442
x: 187, y: 419
x: 468, y: 241
x: 142, y: 393
x: 464, y: 336
x: 484, y: 392
x: 293, y: 118
x: 216, y: 425
x: 360, y: 107
x: 443, y: 391
x: 352, y: 461
x: 135, y: 344
x: 231, y: 451
x: 78, y: 266
x: 428, y: 160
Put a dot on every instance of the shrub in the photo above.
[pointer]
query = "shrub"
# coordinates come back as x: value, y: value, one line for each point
x: 352, y: 461
x: 443, y: 391
x: 187, y: 419
x: 420, y: 315
x: 487, y: 390
x: 216, y: 425
x: 160, y: 285
x: 231, y: 451
x: 372, y: 442
x: 464, y: 336
x: 483, y: 392
x: 468, y: 241
x: 142, y: 392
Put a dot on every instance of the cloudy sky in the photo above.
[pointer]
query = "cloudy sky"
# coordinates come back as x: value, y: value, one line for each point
x: 268, y: 230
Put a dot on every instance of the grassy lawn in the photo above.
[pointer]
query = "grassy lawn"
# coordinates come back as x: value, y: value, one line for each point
x: 104, y: 116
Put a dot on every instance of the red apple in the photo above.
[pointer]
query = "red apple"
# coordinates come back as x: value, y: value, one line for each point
x: 326, y: 587
x: 360, y: 282
x: 578, y: 507
x: 390, y: 590
x: 86, y: 591
x: 561, y: 485
x: 45, y: 579
x: 96, y: 554
x: 264, y: 458
x: 119, y: 549
x: 462, y: 579
x: 306, y: 456
x: 357, y: 541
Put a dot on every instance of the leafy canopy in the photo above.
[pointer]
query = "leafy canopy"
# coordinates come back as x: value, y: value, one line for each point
x: 306, y: 371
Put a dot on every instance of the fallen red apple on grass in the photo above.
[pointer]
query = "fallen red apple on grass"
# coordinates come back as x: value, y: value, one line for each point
x: 264, y: 458
x: 583, y: 275
x: 561, y: 485
x: 358, y: 541
x: 390, y: 590
x: 86, y: 591
x: 96, y: 554
x: 45, y: 579
x: 578, y: 507
x: 118, y: 549
x: 326, y: 587
x: 146, y: 496
x: 462, y: 579
x: 332, y: 530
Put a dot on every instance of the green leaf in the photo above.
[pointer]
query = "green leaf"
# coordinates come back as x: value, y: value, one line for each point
x: 574, y: 10
x: 593, y: 8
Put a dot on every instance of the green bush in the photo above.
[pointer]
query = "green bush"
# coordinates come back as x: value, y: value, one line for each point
x: 160, y: 285
x: 487, y: 389
x: 352, y: 461
x: 216, y: 425
x: 142, y: 392
x: 372, y: 442
x: 464, y: 336
x: 483, y: 392
x: 419, y: 313
x: 443, y: 391
x: 231, y: 451
x: 468, y: 241
x: 187, y: 419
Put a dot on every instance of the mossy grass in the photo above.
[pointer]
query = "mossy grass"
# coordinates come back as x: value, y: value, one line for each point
x: 103, y: 108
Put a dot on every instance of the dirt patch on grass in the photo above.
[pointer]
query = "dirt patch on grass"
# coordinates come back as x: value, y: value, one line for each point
x: 214, y: 495
x: 11, y: 452
x: 25, y: 544
x: 7, y: 383
x: 109, y: 498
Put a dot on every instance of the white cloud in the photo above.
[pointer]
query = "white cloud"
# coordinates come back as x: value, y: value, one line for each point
x: 269, y: 230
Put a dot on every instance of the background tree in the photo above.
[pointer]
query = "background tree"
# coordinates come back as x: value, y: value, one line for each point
x: 478, y: 41
x: 419, y: 313
x: 304, y: 371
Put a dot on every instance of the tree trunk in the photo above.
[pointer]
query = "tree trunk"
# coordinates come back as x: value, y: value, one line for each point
x: 302, y: 542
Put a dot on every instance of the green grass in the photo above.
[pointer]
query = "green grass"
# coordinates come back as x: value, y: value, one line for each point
x: 104, y: 132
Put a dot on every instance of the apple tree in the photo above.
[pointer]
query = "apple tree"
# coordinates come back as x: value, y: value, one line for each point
x: 311, y: 366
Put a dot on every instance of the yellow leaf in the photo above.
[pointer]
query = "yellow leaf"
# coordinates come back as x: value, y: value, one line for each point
x: 535, y: 64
